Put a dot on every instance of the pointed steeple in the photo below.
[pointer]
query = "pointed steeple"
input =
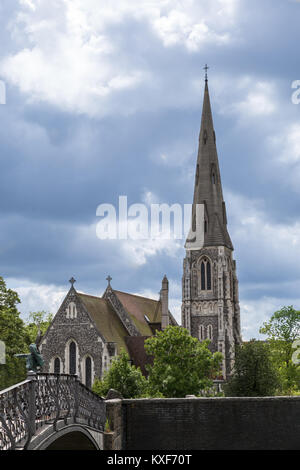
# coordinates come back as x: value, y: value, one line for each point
x: 208, y: 186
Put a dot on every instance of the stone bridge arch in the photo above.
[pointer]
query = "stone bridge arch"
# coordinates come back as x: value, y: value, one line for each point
x: 73, y: 437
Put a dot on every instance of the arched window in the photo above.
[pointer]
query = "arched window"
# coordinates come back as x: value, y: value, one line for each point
x: 57, y: 365
x: 202, y: 276
x: 88, y: 372
x: 201, y: 333
x: 205, y: 274
x: 71, y: 311
x: 208, y: 275
x: 210, y: 332
x: 72, y: 358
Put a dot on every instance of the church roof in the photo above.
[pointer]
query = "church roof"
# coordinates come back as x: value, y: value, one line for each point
x: 139, y: 308
x: 138, y: 355
x: 142, y: 311
x: 105, y: 319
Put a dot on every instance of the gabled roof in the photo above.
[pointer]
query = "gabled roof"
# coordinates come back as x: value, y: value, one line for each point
x: 109, y: 324
x: 105, y: 319
x: 140, y: 308
x: 137, y: 307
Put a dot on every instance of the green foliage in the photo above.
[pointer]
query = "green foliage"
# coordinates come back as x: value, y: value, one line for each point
x: 37, y: 321
x: 282, y: 330
x: 254, y: 373
x: 107, y: 425
x: 182, y: 365
x: 12, y: 332
x: 123, y: 377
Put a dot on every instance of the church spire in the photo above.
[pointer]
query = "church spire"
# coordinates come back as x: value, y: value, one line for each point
x: 210, y: 302
x: 208, y: 186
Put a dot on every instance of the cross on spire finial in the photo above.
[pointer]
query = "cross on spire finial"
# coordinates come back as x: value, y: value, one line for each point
x: 206, y: 69
x: 109, y: 278
x: 72, y: 281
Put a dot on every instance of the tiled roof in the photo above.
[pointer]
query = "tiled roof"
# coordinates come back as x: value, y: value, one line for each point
x: 105, y: 319
x: 137, y: 307
x: 138, y: 355
x: 111, y: 328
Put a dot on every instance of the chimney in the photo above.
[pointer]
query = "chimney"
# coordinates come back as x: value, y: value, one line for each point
x: 164, y: 297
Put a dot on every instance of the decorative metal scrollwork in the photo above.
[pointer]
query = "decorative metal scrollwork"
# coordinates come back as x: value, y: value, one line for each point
x: 43, y: 401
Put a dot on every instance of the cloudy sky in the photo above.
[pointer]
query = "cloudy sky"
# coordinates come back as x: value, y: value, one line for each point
x: 104, y: 99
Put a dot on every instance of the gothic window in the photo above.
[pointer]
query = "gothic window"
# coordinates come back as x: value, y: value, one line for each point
x: 201, y: 333
x: 208, y: 275
x: 197, y: 175
x: 88, y: 372
x: 210, y: 332
x: 205, y: 274
x: 57, y: 365
x: 72, y: 358
x: 205, y: 137
x: 213, y: 178
x: 71, y: 311
x: 205, y: 226
x: 202, y: 276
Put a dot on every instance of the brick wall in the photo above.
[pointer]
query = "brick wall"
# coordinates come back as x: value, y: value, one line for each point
x: 209, y: 423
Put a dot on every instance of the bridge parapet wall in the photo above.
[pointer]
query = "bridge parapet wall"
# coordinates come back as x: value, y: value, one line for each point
x: 43, y: 400
x: 206, y: 423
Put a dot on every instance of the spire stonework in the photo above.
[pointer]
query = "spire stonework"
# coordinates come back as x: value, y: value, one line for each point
x: 210, y: 304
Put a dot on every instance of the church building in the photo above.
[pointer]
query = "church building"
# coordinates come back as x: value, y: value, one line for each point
x: 89, y: 331
x: 210, y: 298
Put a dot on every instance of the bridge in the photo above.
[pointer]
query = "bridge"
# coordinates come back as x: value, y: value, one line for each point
x: 53, y: 412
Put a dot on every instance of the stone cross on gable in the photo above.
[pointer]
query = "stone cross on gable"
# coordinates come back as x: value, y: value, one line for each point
x: 72, y: 281
x: 109, y: 278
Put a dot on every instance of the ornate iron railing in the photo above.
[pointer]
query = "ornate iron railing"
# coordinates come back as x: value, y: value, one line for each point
x: 45, y: 399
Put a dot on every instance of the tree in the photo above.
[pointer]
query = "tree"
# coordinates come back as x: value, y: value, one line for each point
x: 282, y: 330
x: 123, y: 377
x: 12, y: 333
x: 182, y: 365
x: 37, y: 322
x: 254, y: 372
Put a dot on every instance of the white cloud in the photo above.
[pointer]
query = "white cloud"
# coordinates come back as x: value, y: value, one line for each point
x: 138, y: 252
x: 74, y: 60
x: 257, y: 98
x: 36, y: 297
x: 130, y: 252
x: 28, y: 3
x: 288, y: 144
x: 272, y: 243
x: 181, y: 27
x: 268, y: 249
x: 256, y: 312
x: 175, y: 153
